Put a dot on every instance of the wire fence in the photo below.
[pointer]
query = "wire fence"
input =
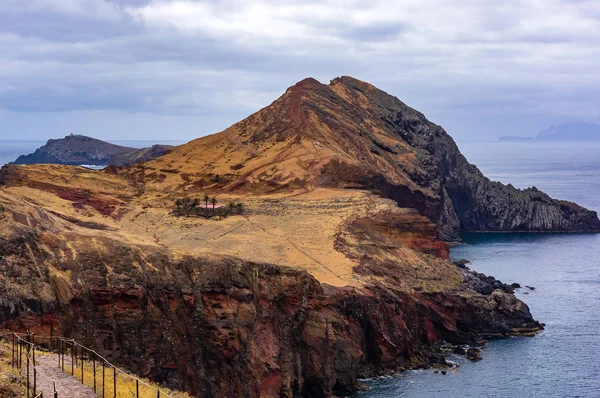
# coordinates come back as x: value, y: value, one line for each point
x: 83, y: 363
x: 23, y: 358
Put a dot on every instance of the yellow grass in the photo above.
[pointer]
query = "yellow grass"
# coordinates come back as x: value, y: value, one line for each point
x: 126, y: 385
x: 11, y: 380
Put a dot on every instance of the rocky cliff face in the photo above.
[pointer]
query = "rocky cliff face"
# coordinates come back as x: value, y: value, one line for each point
x: 468, y: 201
x: 82, y: 150
x: 222, y: 327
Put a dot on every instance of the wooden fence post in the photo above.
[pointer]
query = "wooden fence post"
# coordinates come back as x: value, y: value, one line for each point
x: 12, y: 361
x: 81, y: 353
x: 27, y: 358
x: 94, y: 365
x: 103, y: 368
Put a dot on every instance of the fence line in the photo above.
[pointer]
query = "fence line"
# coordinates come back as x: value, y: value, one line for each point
x: 61, y: 347
x: 17, y: 347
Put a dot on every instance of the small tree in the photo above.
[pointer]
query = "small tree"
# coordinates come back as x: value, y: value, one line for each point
x: 206, y: 198
x: 240, y: 208
x: 214, y: 202
x: 185, y: 203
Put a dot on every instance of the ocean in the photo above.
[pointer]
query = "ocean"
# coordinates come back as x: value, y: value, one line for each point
x: 564, y: 360
x: 11, y: 150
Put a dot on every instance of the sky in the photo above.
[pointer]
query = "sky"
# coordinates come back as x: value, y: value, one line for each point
x: 181, y: 69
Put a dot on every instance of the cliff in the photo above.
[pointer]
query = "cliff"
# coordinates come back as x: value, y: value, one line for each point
x: 82, y: 150
x: 223, y: 327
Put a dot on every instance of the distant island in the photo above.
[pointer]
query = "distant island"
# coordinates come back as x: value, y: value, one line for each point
x: 571, y: 132
x: 563, y: 132
x: 514, y: 138
x: 79, y: 150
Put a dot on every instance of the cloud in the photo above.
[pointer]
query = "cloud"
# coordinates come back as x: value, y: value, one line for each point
x: 455, y: 60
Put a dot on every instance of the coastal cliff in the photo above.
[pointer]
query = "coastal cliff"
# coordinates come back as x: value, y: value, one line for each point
x: 222, y: 327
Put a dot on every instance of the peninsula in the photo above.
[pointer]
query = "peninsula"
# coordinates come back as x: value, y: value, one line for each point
x: 77, y: 149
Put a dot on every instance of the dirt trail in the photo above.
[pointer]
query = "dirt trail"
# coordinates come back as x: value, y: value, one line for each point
x: 49, y: 373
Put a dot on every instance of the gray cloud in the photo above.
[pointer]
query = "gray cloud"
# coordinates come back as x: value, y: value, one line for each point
x: 518, y: 64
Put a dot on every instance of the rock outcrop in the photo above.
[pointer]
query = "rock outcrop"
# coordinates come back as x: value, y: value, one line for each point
x: 77, y: 149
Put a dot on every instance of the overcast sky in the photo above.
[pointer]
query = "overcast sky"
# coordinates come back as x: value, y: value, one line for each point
x: 180, y: 69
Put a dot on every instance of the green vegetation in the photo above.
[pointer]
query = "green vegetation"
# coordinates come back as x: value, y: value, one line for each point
x: 208, y: 208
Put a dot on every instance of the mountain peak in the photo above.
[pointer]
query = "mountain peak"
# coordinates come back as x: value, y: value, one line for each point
x: 351, y: 82
x: 308, y: 82
x: 350, y: 134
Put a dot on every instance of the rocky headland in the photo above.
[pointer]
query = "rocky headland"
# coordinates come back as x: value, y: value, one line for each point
x: 338, y: 269
x: 77, y: 149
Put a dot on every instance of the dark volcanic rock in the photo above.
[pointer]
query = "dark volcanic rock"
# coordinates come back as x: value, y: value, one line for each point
x: 484, y: 284
x: 461, y: 263
x: 467, y: 200
x: 81, y: 150
x: 474, y: 354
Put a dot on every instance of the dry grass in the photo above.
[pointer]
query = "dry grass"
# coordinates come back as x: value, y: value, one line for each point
x: 12, y: 382
x: 126, y: 385
x: 297, y: 231
x: 294, y: 229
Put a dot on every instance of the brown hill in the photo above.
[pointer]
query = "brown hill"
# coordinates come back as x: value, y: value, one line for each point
x: 349, y: 134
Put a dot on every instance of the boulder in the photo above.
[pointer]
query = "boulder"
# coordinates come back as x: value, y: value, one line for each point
x: 474, y: 354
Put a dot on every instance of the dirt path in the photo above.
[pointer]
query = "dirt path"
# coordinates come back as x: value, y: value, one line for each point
x: 48, y: 372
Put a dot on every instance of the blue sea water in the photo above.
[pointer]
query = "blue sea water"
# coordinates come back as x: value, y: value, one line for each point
x: 11, y: 150
x: 563, y: 361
